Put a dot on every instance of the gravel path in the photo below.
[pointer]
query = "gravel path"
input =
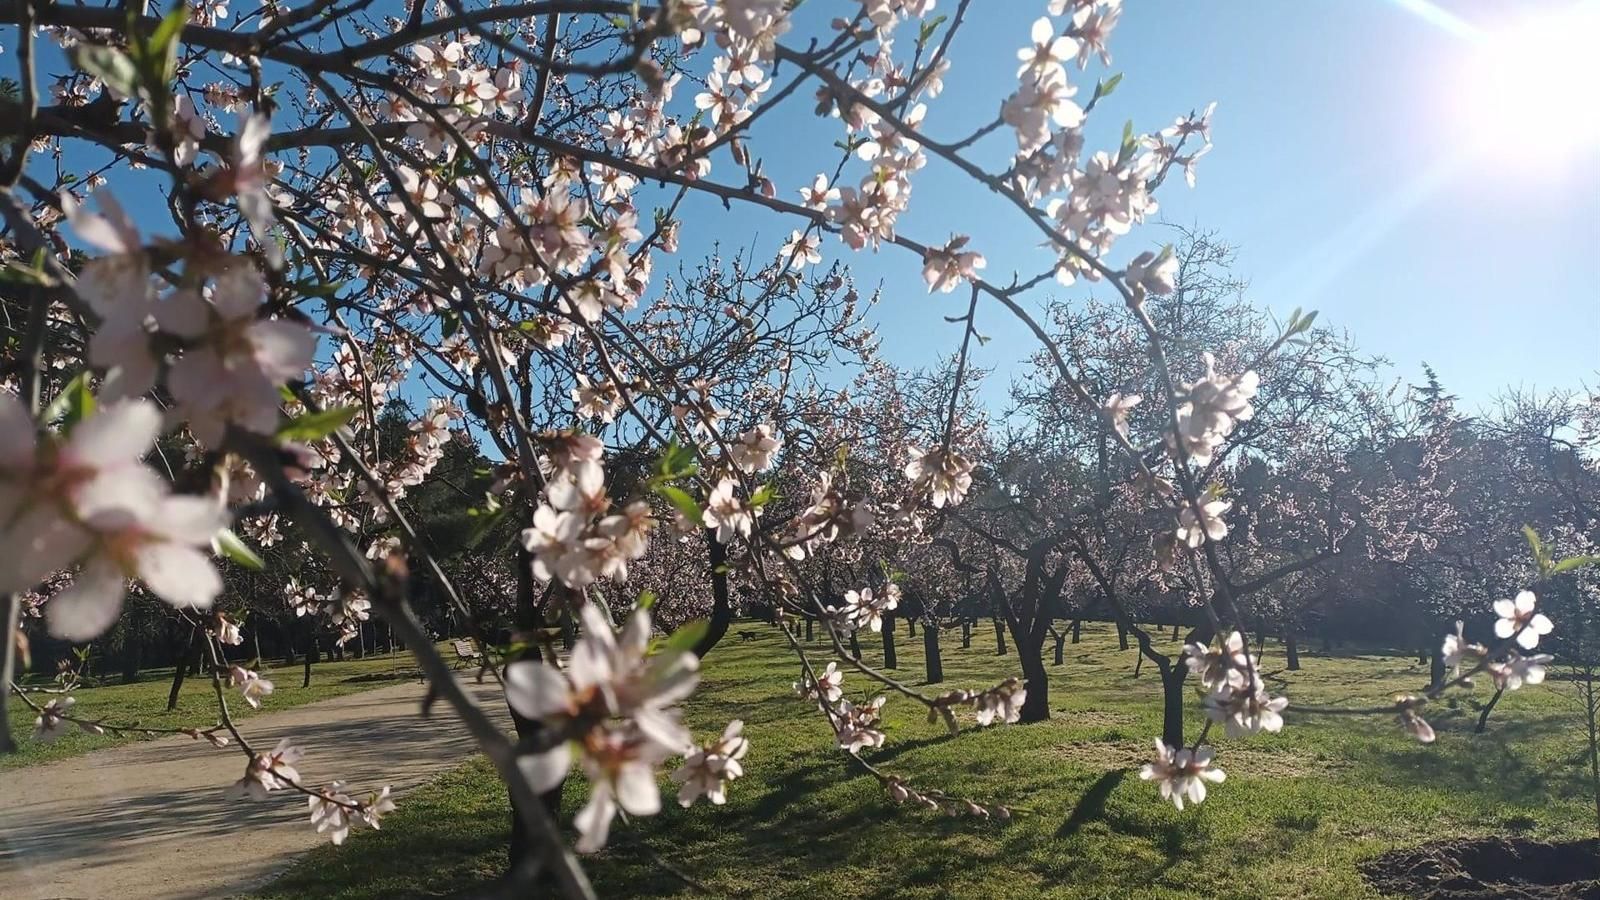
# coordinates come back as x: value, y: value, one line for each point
x: 150, y: 819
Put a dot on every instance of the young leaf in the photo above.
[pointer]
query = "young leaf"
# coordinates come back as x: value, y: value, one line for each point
x: 687, y: 635
x: 74, y: 404
x: 161, y: 51
x: 110, y: 65
x: 312, y: 426
x: 677, y: 461
x: 681, y: 500
x: 229, y: 545
x: 1103, y: 89
x: 1574, y: 562
x: 1541, y: 556
x: 764, y: 495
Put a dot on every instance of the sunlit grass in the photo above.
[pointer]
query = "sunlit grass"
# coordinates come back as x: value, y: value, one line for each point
x: 144, y: 702
x: 1297, y: 812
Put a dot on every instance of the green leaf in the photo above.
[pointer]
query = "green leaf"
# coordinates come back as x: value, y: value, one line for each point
x: 928, y: 28
x: 108, y: 64
x: 646, y: 600
x: 687, y: 636
x: 764, y: 495
x: 229, y: 545
x: 74, y: 404
x: 680, y: 499
x: 161, y: 50
x: 484, y: 520
x: 1541, y: 556
x: 677, y: 461
x: 316, y: 425
x: 1105, y: 88
x: 1574, y: 562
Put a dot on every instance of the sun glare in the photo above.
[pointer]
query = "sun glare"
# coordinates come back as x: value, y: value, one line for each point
x: 1532, y: 85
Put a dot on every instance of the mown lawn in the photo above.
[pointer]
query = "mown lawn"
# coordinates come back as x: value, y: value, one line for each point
x: 144, y: 702
x: 1298, y: 811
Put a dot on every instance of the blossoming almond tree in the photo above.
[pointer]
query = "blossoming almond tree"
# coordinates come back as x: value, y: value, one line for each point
x: 459, y: 211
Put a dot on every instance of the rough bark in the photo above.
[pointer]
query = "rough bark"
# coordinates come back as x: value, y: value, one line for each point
x: 181, y: 670
x: 999, y: 638
x: 1077, y: 630
x: 1291, y: 647
x: 1483, y: 717
x: 966, y: 634
x: 528, y: 619
x: 1172, y: 697
x: 890, y: 661
x: 1122, y: 636
x: 930, y: 652
x: 721, y: 605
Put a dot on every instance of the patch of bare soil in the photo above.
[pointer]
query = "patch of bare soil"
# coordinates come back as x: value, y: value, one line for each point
x: 1489, y: 869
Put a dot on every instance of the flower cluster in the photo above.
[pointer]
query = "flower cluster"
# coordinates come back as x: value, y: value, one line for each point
x: 1001, y: 703
x: 613, y: 711
x: 866, y: 608
x: 1182, y: 773
x: 1209, y: 409
x: 574, y: 537
x: 943, y: 474
x: 82, y: 498
x: 1237, y: 698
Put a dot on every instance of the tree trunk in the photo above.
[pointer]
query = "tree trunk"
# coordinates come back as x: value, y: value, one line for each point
x: 1172, y: 695
x: 1138, y: 664
x: 889, y: 659
x: 182, y: 668
x: 132, y: 655
x: 1077, y: 631
x: 1036, y: 705
x: 1291, y: 646
x: 313, y: 650
x: 1436, y: 670
x: 528, y: 619
x: 569, y: 631
x: 811, y: 630
x: 287, y: 633
x: 1061, y: 646
x: 1122, y: 636
x: 855, y: 645
x: 930, y: 652
x: 966, y: 634
x: 911, y: 627
x: 1261, y: 643
x: 1483, y: 717
x: 1175, y: 630
x: 999, y: 638
x: 721, y: 605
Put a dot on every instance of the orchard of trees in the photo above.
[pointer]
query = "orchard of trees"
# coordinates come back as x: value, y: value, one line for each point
x: 350, y: 325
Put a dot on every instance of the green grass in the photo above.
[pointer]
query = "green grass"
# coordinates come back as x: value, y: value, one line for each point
x: 144, y: 702
x: 1297, y: 812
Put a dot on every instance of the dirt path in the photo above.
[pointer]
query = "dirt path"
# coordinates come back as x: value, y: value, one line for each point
x: 151, y: 820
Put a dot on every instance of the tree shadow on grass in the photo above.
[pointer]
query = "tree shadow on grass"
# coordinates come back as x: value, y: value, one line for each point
x: 1092, y: 805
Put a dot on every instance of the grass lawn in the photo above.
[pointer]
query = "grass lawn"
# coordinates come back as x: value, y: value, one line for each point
x: 1298, y: 811
x: 145, y: 702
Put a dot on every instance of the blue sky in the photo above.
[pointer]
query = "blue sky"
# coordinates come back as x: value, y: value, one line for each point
x: 1369, y: 164
x: 1359, y: 168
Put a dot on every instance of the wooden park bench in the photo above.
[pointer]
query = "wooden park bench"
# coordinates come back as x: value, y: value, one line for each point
x: 466, y: 654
